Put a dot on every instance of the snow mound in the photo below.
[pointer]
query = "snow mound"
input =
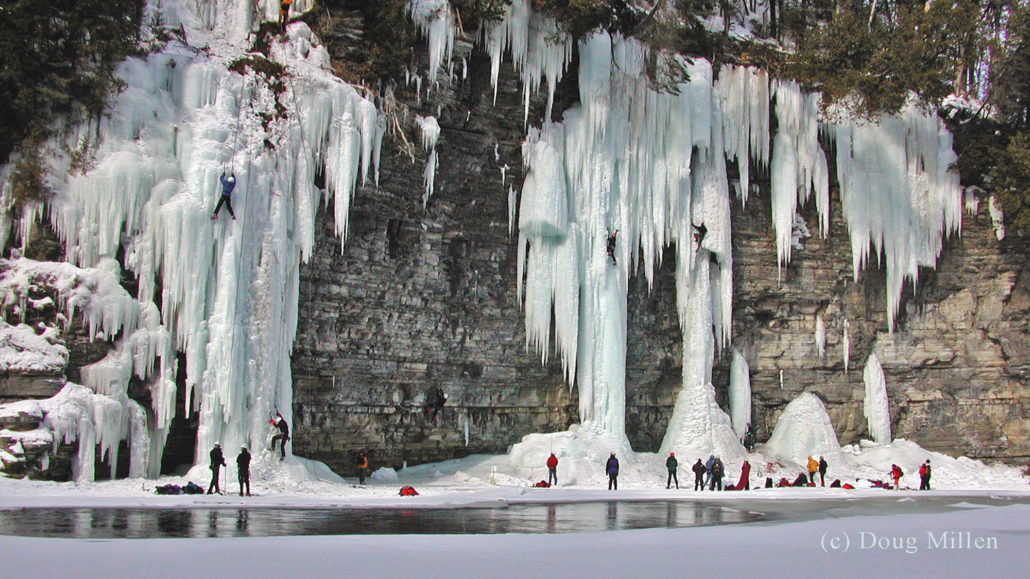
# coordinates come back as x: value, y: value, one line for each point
x: 804, y: 430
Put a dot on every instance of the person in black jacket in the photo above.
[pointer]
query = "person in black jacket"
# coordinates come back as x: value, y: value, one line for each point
x: 699, y: 475
x: 699, y: 233
x: 284, y: 435
x: 243, y: 469
x: 717, y: 471
x: 822, y: 471
x: 611, y: 247
x: 217, y: 462
x: 362, y: 463
x: 671, y: 463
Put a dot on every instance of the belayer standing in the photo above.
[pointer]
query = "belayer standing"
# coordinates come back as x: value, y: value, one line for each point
x: 611, y: 468
x: 671, y: 463
x: 924, y: 476
x: 552, y: 470
x: 228, y: 184
x: 217, y: 462
x: 718, y: 470
x: 243, y: 469
x: 823, y: 465
x: 813, y: 467
x: 708, y: 470
x: 611, y: 247
x: 749, y: 438
x: 896, y: 474
x: 284, y: 435
x: 362, y: 467
x: 699, y: 475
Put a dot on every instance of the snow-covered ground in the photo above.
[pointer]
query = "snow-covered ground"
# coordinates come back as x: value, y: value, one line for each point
x: 857, y: 532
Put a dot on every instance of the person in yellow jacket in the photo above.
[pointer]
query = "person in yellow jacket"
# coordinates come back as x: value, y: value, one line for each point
x: 813, y: 467
x: 362, y: 467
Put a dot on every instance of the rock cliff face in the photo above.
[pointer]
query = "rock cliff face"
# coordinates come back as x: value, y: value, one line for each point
x: 422, y: 300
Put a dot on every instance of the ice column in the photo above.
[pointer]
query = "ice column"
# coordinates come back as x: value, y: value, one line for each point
x: 876, y: 409
x: 740, y: 393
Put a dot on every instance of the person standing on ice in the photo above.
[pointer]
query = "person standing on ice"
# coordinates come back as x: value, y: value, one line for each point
x: 228, y: 184
x: 749, y: 438
x: 611, y: 468
x: 217, y: 462
x: 813, y: 467
x: 924, y: 476
x: 823, y: 465
x: 708, y: 469
x: 718, y: 470
x: 699, y: 475
x: 699, y: 233
x: 284, y: 435
x: 552, y: 470
x: 744, y: 484
x: 362, y: 467
x: 896, y: 474
x: 671, y: 463
x: 611, y: 247
x: 243, y: 469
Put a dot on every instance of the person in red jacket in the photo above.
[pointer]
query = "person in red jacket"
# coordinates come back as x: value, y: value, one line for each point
x: 552, y: 470
x: 896, y: 474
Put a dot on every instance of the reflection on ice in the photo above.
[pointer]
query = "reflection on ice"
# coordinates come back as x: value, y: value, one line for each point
x: 582, y: 517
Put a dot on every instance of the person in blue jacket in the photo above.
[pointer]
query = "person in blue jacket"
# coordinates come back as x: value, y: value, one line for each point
x: 228, y: 184
x: 612, y: 469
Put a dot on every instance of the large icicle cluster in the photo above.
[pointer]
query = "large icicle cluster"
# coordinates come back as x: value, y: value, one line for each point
x: 228, y: 294
x: 652, y: 165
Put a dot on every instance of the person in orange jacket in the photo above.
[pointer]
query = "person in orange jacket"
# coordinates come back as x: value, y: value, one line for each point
x: 362, y: 467
x: 813, y: 467
x: 284, y: 13
x: 552, y: 470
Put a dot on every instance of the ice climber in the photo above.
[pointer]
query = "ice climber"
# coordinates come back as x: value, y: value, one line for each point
x: 611, y: 247
x: 552, y: 470
x: 217, y: 462
x: 671, y: 463
x: 284, y: 435
x: 611, y: 468
x: 284, y: 13
x: 243, y: 469
x: 228, y: 184
x: 699, y: 475
x: 699, y: 233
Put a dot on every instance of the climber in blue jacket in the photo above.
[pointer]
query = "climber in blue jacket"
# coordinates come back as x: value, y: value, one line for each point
x: 228, y: 184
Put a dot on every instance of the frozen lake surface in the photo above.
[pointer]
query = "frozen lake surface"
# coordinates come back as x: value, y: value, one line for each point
x: 155, y: 523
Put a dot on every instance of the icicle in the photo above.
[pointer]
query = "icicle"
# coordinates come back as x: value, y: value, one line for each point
x: 820, y: 336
